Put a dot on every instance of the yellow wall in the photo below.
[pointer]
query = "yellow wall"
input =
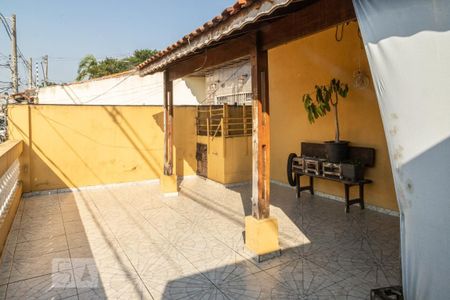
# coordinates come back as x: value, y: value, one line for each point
x: 238, y: 155
x: 216, y: 161
x: 73, y: 146
x: 294, y: 69
x: 231, y: 163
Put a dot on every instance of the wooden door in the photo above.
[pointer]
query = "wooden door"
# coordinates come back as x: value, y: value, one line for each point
x: 202, y: 160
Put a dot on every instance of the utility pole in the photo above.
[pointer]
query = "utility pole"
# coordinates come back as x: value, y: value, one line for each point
x: 36, y: 83
x: 45, y: 70
x: 30, y: 73
x: 14, y: 70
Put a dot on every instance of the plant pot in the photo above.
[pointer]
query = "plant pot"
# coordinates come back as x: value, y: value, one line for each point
x: 352, y: 172
x: 336, y: 151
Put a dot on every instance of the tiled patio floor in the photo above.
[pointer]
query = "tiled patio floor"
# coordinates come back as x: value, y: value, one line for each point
x: 128, y: 242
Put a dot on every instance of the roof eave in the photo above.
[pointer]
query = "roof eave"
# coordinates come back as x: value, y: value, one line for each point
x: 214, y: 31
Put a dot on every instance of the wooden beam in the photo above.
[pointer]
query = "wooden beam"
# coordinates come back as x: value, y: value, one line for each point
x: 315, y: 17
x: 307, y: 19
x: 168, y: 125
x: 261, y: 132
x: 215, y: 56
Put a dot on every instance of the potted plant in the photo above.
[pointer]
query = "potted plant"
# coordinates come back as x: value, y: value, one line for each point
x: 327, y: 96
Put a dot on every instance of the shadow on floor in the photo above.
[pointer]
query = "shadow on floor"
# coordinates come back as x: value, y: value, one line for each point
x: 326, y: 253
x: 137, y: 244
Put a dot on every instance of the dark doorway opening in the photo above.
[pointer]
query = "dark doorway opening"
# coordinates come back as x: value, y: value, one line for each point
x: 202, y: 160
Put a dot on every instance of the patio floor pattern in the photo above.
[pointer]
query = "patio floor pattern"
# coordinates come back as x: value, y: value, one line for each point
x: 129, y: 242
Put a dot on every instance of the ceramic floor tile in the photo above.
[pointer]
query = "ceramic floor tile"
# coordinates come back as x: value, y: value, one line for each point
x: 71, y: 216
x: 197, y: 208
x: 168, y: 222
x: 78, y: 239
x: 60, y: 285
x: 30, y: 234
x: 138, y: 227
x: 67, y: 197
x: 144, y: 254
x: 130, y: 242
x: 195, y: 287
x: 111, y: 283
x: 10, y: 245
x: 101, y: 255
x: 5, y: 271
x: 37, y: 210
x: 146, y: 200
x: 303, y: 278
x: 170, y: 272
x: 30, y: 217
x: 41, y: 221
x: 68, y: 208
x: 256, y: 286
x: 17, y: 219
x: 212, y: 258
x: 3, y: 291
x: 40, y: 247
x: 82, y: 256
x: 351, y: 288
x: 25, y: 268
x: 74, y: 227
x: 41, y: 201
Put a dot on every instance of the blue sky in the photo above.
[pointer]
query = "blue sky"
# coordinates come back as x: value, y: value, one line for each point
x: 68, y: 30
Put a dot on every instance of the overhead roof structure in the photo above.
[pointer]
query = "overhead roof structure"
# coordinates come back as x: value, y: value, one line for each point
x: 232, y: 19
x: 231, y: 35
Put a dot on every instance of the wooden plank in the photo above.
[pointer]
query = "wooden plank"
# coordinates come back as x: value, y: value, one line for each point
x: 168, y: 124
x: 225, y: 119
x: 227, y: 51
x: 315, y: 17
x: 261, y: 132
x: 306, y: 20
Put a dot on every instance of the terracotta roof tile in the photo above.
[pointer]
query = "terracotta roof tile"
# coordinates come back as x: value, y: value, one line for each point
x: 230, y: 11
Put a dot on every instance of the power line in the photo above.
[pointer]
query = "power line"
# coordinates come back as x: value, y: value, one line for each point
x: 13, y: 67
x: 9, y: 33
x: 6, y: 25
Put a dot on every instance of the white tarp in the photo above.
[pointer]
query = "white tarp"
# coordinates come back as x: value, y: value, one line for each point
x: 408, y: 46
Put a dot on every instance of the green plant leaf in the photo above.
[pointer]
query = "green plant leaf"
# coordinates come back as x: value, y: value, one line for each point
x: 323, y: 99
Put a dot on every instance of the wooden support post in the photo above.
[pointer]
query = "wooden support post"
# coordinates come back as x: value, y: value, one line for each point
x: 210, y: 115
x: 224, y: 140
x: 261, y: 230
x: 225, y: 120
x: 208, y: 135
x: 244, y: 121
x: 168, y: 125
x: 261, y: 133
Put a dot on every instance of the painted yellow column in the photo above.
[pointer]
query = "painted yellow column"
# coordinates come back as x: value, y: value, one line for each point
x: 169, y: 185
x: 261, y: 236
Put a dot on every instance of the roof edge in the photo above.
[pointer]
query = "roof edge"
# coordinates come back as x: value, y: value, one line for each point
x: 231, y: 20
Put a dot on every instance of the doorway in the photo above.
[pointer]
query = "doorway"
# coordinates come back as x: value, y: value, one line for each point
x: 202, y: 160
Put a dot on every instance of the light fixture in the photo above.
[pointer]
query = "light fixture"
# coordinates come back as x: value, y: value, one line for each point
x: 360, y: 79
